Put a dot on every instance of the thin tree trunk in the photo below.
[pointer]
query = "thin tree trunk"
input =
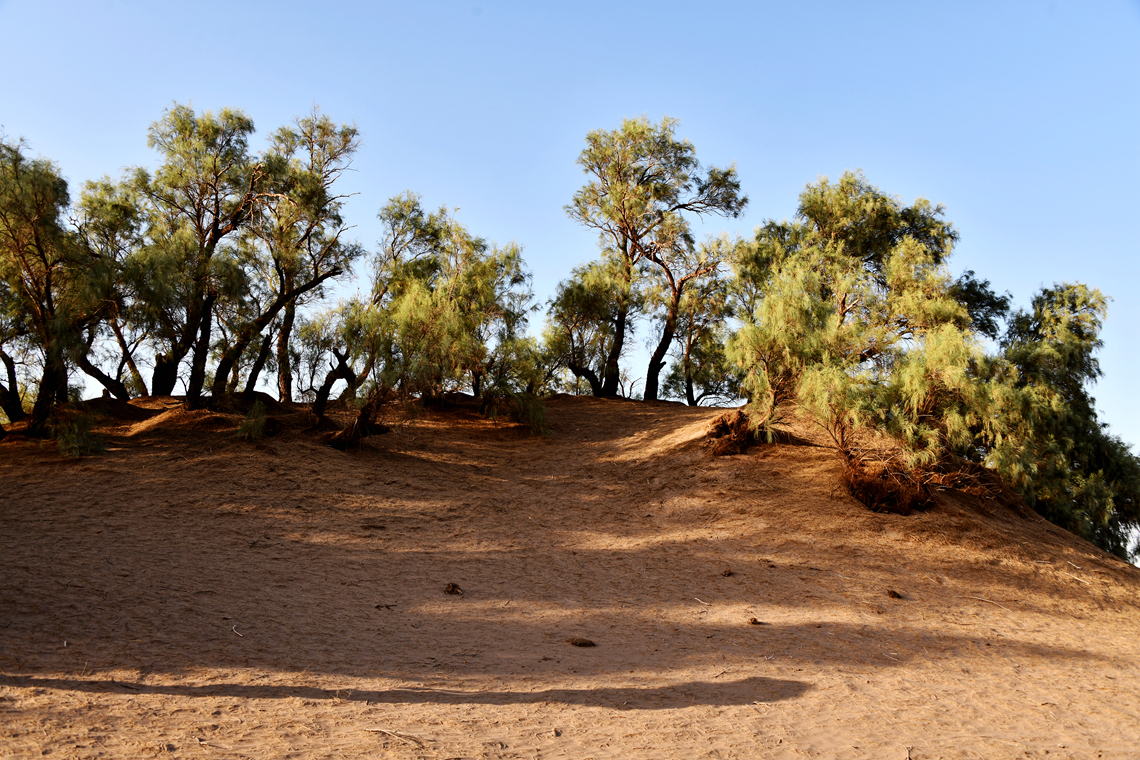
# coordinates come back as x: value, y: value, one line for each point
x: 656, y: 364
x: 284, y: 365
x: 611, y: 373
x: 254, y: 328
x: 128, y: 356
x: 657, y: 360
x: 259, y: 363
x: 231, y: 386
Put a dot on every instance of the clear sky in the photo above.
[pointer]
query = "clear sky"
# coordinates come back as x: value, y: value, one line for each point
x: 1023, y: 119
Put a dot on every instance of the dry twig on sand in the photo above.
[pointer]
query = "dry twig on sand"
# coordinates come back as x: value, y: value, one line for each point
x: 405, y: 738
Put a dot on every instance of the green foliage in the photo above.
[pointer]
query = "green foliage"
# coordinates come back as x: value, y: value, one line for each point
x: 701, y: 370
x: 854, y: 319
x: 252, y: 428
x: 294, y: 243
x: 448, y: 312
x: 74, y: 437
x: 985, y: 307
x: 1047, y: 439
x: 643, y: 182
x: 203, y: 193
x: 45, y: 301
x: 582, y: 319
x: 849, y: 313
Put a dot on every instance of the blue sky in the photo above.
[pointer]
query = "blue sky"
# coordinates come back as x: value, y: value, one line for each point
x: 1023, y: 119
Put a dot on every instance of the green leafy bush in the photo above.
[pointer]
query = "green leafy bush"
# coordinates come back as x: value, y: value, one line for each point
x: 74, y: 438
x: 252, y: 427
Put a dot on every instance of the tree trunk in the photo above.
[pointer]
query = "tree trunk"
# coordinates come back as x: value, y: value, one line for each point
x: 10, y: 396
x: 112, y: 384
x: 128, y: 357
x: 357, y: 380
x: 165, y: 375
x: 284, y: 366
x: 657, y: 360
x: 611, y: 374
x: 689, y: 398
x: 231, y: 386
x: 259, y: 363
x: 591, y: 377
x: 340, y: 372
x: 201, y: 354
x: 53, y: 385
x: 253, y: 329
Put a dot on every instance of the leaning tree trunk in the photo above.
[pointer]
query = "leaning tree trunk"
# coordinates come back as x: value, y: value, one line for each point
x: 340, y: 372
x: 253, y: 329
x: 581, y: 371
x: 128, y: 356
x: 259, y: 363
x: 114, y: 385
x: 657, y: 362
x: 10, y: 400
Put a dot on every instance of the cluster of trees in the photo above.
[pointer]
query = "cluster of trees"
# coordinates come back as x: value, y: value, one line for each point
x: 203, y: 275
x: 195, y: 278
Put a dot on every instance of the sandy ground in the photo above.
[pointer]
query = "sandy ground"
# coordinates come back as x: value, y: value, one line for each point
x: 195, y: 595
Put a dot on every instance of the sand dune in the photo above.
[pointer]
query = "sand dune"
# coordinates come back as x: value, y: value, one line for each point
x: 192, y: 594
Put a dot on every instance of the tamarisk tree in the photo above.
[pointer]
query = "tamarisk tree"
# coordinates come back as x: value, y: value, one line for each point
x: 857, y: 322
x: 293, y: 242
x: 1047, y: 440
x: 44, y: 300
x: 642, y: 183
x: 201, y: 196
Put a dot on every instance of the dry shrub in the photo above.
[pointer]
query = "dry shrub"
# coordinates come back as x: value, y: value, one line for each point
x: 365, y: 424
x: 735, y: 431
x: 883, y: 489
x: 981, y: 482
x: 731, y: 432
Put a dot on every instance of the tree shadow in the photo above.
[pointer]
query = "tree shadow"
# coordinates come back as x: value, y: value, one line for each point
x: 707, y: 693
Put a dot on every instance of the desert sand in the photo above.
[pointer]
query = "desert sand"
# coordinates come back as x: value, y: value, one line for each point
x: 193, y: 594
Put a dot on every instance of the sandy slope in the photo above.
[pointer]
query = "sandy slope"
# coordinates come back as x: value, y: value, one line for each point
x: 194, y: 595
